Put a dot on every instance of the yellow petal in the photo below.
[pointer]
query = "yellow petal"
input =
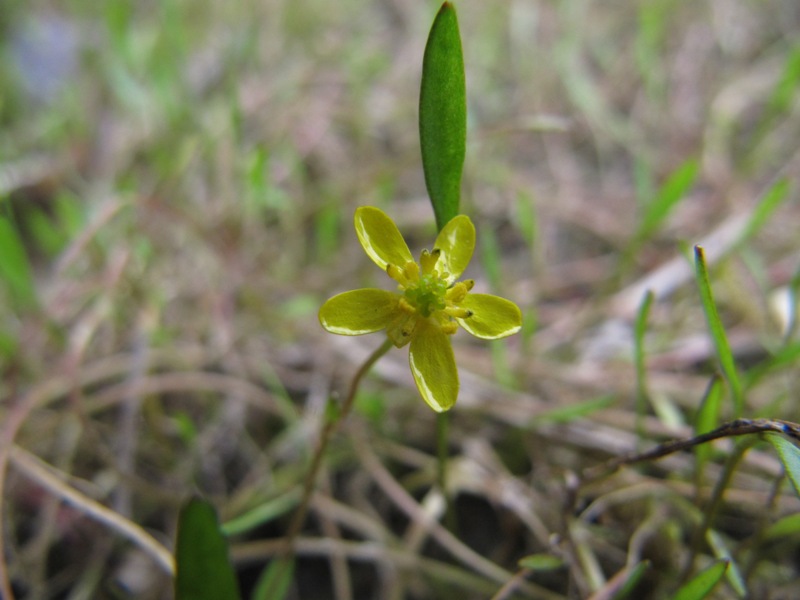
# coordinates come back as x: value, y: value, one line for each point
x: 456, y: 240
x: 492, y: 317
x: 380, y: 238
x: 359, y: 311
x: 434, y: 366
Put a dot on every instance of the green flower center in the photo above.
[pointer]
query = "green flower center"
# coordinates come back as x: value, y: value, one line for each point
x: 428, y: 295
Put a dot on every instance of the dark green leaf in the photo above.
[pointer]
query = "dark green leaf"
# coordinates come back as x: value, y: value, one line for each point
x: 203, y: 571
x: 443, y: 115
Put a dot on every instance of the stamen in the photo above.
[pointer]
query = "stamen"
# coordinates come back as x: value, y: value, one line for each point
x: 457, y: 312
x: 457, y: 293
x: 428, y: 260
x: 398, y: 274
x: 412, y: 271
x: 449, y: 327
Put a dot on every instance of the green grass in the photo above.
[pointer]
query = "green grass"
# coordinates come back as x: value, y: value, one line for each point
x: 174, y: 211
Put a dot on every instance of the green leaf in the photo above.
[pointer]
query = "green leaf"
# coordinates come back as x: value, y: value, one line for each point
x: 787, y: 526
x: 721, y: 551
x: 541, y: 562
x: 672, y: 192
x: 443, y: 115
x: 724, y: 354
x: 15, y: 269
x: 203, y: 571
x: 790, y: 457
x: 706, y: 419
x: 565, y: 414
x: 263, y: 513
x: 703, y: 583
x: 622, y: 584
x: 769, y: 202
x: 275, y: 580
x: 639, y: 358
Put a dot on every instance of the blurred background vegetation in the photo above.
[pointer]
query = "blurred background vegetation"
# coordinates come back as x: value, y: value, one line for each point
x: 177, y: 186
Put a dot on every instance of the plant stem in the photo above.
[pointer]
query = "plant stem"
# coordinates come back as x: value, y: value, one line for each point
x: 442, y: 426
x: 331, y: 423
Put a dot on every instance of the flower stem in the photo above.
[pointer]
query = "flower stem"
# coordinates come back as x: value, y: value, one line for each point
x: 442, y: 426
x: 331, y: 423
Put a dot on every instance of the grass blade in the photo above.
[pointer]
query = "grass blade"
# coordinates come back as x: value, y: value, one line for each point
x: 638, y: 353
x: 722, y: 552
x: 203, y: 571
x: 15, y: 270
x: 707, y: 419
x: 703, y: 583
x: 443, y: 115
x: 790, y: 457
x: 672, y: 192
x: 724, y: 354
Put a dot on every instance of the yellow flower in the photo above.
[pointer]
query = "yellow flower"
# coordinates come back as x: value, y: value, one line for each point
x: 428, y: 305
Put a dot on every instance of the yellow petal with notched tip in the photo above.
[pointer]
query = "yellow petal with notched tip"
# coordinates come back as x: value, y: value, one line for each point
x: 456, y: 240
x: 359, y: 311
x: 380, y: 238
x: 492, y: 317
x: 434, y: 366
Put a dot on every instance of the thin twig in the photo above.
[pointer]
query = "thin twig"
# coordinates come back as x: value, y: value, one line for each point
x: 731, y: 429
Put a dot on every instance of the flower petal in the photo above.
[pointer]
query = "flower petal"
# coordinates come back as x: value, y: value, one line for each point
x: 492, y: 317
x: 456, y: 240
x: 380, y: 238
x: 434, y: 366
x: 359, y: 311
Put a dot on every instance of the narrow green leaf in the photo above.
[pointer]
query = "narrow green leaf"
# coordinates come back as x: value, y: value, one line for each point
x: 718, y: 336
x: 263, y: 513
x: 565, y: 414
x: 722, y: 552
x: 789, y: 525
x: 624, y: 583
x: 638, y: 351
x: 275, y: 580
x: 764, y: 209
x: 443, y: 115
x: 15, y: 271
x: 706, y: 419
x: 203, y: 571
x: 702, y: 584
x: 790, y: 457
x: 766, y: 206
x: 672, y: 191
x: 541, y: 562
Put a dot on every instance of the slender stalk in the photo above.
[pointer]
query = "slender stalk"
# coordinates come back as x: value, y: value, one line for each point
x: 332, y: 421
x: 442, y: 426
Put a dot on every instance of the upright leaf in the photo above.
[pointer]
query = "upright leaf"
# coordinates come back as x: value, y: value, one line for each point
x: 15, y: 270
x: 790, y: 457
x: 203, y: 571
x: 443, y: 115
x: 724, y: 354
